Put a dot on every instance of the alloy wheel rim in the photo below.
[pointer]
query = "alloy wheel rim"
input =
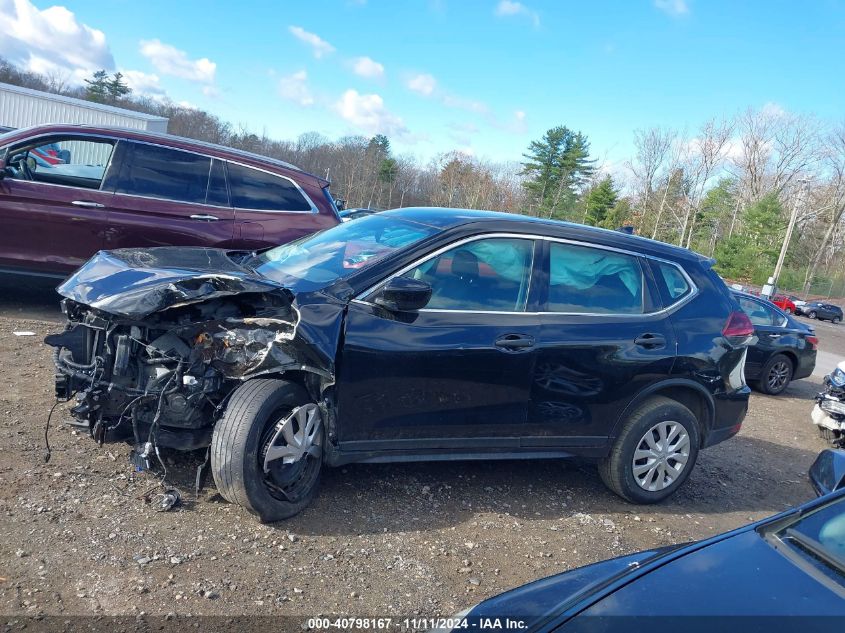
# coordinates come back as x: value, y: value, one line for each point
x: 661, y: 456
x: 778, y: 376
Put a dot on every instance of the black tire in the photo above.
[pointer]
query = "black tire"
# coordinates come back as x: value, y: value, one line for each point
x: 812, y: 314
x: 835, y: 320
x: 617, y: 469
x: 775, y: 375
x: 239, y: 443
x: 788, y: 310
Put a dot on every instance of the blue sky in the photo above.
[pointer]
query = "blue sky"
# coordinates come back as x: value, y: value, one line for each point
x: 483, y: 76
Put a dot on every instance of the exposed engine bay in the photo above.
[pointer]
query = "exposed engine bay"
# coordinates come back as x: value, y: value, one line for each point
x: 159, y: 370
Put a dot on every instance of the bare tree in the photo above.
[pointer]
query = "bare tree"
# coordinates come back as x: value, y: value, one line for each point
x: 652, y: 146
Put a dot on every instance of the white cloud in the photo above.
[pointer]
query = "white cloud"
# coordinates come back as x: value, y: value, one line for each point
x: 367, y: 67
x: 453, y: 101
x: 508, y: 8
x: 367, y: 113
x: 169, y: 60
x: 319, y: 46
x: 51, y: 41
x: 519, y: 121
x: 672, y: 7
x: 143, y: 83
x: 773, y: 110
x: 295, y: 88
x: 422, y: 84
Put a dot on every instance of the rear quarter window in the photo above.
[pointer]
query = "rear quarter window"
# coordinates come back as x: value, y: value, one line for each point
x: 672, y: 284
x: 262, y: 191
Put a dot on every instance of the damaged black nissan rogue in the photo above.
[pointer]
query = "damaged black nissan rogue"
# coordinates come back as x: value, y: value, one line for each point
x: 414, y: 334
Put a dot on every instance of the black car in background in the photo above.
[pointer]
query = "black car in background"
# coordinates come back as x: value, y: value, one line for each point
x: 785, y: 573
x: 412, y: 334
x: 821, y: 311
x: 785, y: 349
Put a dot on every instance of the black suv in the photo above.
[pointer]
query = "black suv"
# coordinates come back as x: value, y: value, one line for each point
x: 821, y: 311
x: 414, y: 334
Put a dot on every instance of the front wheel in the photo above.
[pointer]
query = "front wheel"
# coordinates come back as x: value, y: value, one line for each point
x: 266, y: 450
x: 812, y: 314
x: 835, y: 320
x: 654, y: 452
x: 788, y: 310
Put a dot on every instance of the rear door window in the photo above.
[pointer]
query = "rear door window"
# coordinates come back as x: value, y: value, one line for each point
x: 586, y: 280
x: 262, y: 191
x: 164, y: 173
x: 760, y: 313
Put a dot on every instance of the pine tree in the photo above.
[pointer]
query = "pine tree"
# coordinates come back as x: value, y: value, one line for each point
x: 600, y: 201
x: 556, y: 168
x: 380, y: 146
x: 620, y: 215
x: 116, y: 88
x: 750, y: 254
x: 97, y: 89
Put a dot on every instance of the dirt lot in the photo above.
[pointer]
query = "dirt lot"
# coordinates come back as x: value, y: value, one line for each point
x: 397, y: 540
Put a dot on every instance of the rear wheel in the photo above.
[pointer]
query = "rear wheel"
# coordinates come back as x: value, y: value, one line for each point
x: 266, y: 451
x: 654, y: 453
x: 775, y: 375
x: 788, y: 310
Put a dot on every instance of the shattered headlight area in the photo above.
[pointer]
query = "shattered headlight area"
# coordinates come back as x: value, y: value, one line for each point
x: 163, y: 380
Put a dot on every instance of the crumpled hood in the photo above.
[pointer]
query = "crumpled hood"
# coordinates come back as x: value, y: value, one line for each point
x: 136, y: 282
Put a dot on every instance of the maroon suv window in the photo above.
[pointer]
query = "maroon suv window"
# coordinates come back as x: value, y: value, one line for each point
x: 168, y: 174
x: 262, y: 191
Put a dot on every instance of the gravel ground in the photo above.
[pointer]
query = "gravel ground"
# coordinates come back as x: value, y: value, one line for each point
x: 401, y: 540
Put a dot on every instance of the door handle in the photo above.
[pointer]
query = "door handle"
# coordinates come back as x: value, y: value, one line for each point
x: 774, y: 335
x: 206, y: 218
x: 515, y: 341
x: 651, y: 341
x: 88, y: 204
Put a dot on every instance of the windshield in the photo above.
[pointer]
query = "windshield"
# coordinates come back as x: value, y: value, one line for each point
x: 318, y: 260
x: 820, y: 535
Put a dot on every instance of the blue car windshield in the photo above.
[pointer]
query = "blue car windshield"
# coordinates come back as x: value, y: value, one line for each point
x: 318, y: 260
x: 821, y: 534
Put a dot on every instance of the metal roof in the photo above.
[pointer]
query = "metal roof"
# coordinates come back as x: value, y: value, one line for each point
x: 80, y: 103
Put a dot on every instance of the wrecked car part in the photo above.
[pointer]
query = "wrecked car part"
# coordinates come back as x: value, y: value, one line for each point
x: 202, y: 473
x: 159, y: 362
x: 170, y: 499
x: 48, y: 453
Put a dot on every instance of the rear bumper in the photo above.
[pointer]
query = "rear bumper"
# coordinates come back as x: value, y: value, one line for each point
x: 806, y: 365
x: 731, y: 410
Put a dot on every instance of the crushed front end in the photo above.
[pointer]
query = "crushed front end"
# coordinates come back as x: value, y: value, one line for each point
x: 163, y: 380
x: 156, y: 341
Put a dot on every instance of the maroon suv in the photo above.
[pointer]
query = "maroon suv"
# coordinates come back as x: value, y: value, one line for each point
x: 116, y: 188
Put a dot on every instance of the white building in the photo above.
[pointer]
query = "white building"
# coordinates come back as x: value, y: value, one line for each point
x: 22, y: 107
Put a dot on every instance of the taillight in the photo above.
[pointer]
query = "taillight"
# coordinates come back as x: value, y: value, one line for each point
x: 738, y: 329
x: 813, y: 341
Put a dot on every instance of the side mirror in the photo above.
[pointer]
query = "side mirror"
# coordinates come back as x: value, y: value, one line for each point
x: 402, y: 294
x: 827, y: 474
